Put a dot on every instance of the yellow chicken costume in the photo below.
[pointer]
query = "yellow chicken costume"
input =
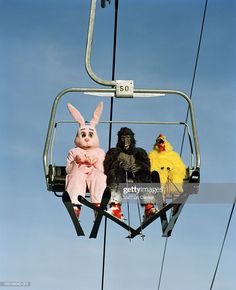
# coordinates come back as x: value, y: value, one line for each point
x: 169, y: 165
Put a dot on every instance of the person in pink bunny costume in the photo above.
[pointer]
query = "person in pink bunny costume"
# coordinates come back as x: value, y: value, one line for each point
x: 84, y: 165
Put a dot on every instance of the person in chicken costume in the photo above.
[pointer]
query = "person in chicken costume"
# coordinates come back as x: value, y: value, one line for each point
x: 169, y: 165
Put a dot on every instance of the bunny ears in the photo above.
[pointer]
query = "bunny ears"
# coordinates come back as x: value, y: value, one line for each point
x: 79, y: 118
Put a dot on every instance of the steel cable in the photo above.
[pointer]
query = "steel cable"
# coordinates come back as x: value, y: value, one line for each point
x: 184, y: 133
x: 110, y: 130
x: 223, y: 243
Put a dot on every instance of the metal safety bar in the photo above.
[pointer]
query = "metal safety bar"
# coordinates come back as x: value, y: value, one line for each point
x: 112, y: 90
x: 125, y: 123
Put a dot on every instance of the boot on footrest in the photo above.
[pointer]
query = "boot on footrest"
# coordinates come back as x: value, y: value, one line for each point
x: 149, y: 211
x: 77, y: 210
x: 115, y: 210
x: 95, y: 212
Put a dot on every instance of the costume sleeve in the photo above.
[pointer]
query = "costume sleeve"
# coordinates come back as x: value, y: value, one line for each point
x: 111, y: 160
x: 101, y: 157
x: 70, y: 161
x: 152, y: 158
x: 179, y: 165
x: 141, y: 159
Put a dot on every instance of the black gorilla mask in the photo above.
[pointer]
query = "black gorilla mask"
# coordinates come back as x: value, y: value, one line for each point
x: 126, y: 141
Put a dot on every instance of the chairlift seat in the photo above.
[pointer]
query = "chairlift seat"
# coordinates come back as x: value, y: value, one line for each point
x: 57, y: 177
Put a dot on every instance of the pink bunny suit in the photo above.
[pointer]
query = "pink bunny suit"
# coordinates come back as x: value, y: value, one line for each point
x: 85, y: 174
x: 85, y: 162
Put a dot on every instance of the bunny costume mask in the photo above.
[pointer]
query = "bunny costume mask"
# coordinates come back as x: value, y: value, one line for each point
x: 85, y: 162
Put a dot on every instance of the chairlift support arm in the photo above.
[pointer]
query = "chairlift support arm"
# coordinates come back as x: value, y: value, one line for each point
x: 88, y: 67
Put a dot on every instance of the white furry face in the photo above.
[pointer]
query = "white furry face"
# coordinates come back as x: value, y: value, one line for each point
x: 87, y: 138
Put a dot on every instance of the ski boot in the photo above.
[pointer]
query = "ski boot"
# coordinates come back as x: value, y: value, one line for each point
x: 95, y: 212
x: 77, y: 209
x: 115, y: 210
x: 149, y: 211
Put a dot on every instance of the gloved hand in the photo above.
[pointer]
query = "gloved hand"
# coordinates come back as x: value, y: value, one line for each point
x: 134, y: 168
x: 80, y: 158
x: 125, y: 161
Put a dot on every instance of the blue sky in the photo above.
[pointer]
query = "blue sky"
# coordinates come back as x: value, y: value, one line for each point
x: 42, y: 52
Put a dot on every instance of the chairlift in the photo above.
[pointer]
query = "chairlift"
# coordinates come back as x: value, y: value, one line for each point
x: 55, y: 174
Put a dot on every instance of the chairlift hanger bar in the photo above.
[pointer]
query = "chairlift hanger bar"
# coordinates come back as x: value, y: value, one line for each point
x: 88, y: 67
x: 122, y: 87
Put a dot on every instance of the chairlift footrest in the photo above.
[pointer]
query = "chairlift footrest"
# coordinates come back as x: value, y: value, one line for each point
x: 85, y: 202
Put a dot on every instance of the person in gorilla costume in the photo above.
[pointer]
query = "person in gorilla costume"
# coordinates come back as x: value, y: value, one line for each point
x: 126, y: 161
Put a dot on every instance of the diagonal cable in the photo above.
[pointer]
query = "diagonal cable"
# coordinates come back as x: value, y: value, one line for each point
x: 195, y: 70
x: 187, y: 115
x: 110, y: 130
x: 222, y: 247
